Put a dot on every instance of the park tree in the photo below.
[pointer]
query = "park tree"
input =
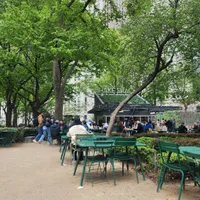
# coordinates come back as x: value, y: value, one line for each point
x: 155, y: 34
x: 185, y: 86
x: 81, y: 44
x: 70, y: 34
x: 25, y: 61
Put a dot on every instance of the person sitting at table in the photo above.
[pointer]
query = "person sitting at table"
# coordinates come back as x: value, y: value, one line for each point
x: 77, y: 128
x: 105, y: 126
x: 182, y: 128
x: 120, y: 127
x: 140, y: 127
x: 195, y: 128
x: 163, y: 128
x: 148, y: 127
x: 85, y: 125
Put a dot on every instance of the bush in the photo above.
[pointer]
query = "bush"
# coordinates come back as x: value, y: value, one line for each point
x: 20, y: 135
x: 22, y: 132
x: 150, y: 155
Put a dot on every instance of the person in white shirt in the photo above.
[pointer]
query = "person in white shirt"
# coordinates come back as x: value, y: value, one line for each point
x: 105, y: 125
x: 77, y: 128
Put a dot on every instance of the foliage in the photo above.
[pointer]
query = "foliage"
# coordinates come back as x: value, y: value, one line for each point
x: 151, y: 156
x: 148, y: 141
x: 156, y: 37
x: 35, y: 33
x: 184, y: 86
x: 147, y: 157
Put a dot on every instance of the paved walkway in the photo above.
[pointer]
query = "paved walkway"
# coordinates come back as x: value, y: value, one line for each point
x: 33, y: 172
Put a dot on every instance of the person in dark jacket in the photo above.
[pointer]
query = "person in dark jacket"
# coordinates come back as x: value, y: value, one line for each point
x: 140, y: 127
x: 182, y: 128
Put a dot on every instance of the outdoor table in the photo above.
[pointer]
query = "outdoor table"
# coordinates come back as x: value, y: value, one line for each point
x: 86, y: 144
x: 194, y: 153
x: 190, y: 149
x: 104, y: 137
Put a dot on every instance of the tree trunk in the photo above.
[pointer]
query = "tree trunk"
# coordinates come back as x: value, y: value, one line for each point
x: 126, y: 100
x: 58, y: 89
x: 58, y: 106
x: 8, y: 108
x: 8, y: 116
x: 158, y: 68
x: 15, y: 116
x: 26, y: 115
x: 59, y: 82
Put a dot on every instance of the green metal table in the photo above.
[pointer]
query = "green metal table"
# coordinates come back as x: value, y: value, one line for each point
x: 190, y: 149
x: 193, y: 154
x: 86, y: 144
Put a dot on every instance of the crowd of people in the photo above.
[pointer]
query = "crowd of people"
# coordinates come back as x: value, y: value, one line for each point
x: 50, y: 128
x: 145, y: 126
x: 163, y: 125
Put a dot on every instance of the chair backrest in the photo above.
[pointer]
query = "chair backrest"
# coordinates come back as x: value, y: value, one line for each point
x: 125, y: 142
x: 55, y: 133
x: 123, y: 145
x: 81, y: 136
x: 104, y: 143
x: 64, y: 131
x: 166, y: 149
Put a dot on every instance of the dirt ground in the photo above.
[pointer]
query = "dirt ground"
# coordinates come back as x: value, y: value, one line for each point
x: 31, y: 171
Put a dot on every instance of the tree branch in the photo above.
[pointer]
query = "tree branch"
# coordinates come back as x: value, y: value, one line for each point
x: 47, y: 96
x: 67, y: 75
x: 70, y: 3
x: 86, y: 5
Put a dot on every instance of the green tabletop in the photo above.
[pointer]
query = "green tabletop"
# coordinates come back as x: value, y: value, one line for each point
x: 85, y: 144
x: 190, y: 149
x: 91, y: 143
x: 106, y: 137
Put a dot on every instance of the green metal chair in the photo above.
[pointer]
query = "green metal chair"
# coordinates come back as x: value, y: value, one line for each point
x: 194, y: 158
x: 166, y: 149
x: 62, y: 139
x: 66, y: 141
x: 74, y: 148
x: 99, y: 155
x: 123, y: 152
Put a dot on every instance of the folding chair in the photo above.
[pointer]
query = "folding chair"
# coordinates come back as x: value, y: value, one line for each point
x: 74, y: 148
x: 122, y: 152
x: 101, y: 147
x: 166, y: 150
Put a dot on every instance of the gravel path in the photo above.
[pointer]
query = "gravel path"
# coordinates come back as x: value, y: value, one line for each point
x: 33, y: 172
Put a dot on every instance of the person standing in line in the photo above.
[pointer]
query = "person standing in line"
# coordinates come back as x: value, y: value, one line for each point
x: 40, y: 119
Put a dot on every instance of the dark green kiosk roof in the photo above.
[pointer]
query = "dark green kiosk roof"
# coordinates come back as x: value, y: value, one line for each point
x: 117, y: 98
x: 106, y: 103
